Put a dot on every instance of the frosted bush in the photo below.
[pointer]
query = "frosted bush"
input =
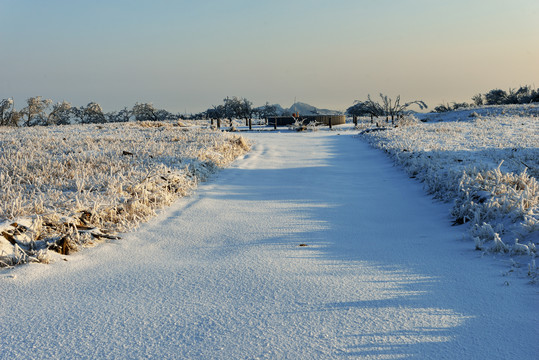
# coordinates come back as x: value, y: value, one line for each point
x: 488, y: 195
x: 407, y: 120
x: 301, y: 125
x: 87, y: 182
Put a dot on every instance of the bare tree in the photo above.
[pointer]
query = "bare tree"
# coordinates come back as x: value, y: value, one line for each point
x: 8, y: 115
x: 166, y: 115
x: 233, y: 108
x: 394, y: 108
x: 246, y: 111
x: 269, y: 110
x: 266, y: 111
x: 216, y: 113
x: 92, y: 114
x: 145, y: 112
x: 375, y: 109
x: 6, y: 106
x: 60, y: 114
x: 35, y: 111
x: 361, y: 108
x: 119, y: 116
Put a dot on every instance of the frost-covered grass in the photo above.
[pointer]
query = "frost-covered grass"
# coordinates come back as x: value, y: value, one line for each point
x: 486, y: 161
x: 68, y: 186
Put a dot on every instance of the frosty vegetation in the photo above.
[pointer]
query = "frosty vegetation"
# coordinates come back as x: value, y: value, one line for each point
x: 38, y: 111
x: 388, y: 107
x: 522, y: 95
x: 63, y: 187
x: 485, y: 160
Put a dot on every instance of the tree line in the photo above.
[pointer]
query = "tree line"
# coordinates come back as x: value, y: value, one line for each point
x: 40, y: 111
x: 237, y: 108
x: 43, y: 112
x: 393, y: 109
x: 522, y: 95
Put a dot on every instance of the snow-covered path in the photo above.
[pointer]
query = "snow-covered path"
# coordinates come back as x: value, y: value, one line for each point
x: 221, y: 275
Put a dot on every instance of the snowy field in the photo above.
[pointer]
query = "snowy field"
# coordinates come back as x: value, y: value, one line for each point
x: 485, y: 162
x: 313, y: 245
x: 70, y: 186
x: 222, y: 274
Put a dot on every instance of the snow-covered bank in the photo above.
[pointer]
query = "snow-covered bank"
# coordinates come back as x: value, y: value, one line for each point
x: 221, y: 275
x: 487, y: 162
x: 67, y: 186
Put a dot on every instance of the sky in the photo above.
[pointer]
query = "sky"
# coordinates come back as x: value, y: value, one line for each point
x: 185, y: 56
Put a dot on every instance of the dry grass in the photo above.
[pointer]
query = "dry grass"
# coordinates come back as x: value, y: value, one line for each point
x: 487, y: 165
x: 88, y: 182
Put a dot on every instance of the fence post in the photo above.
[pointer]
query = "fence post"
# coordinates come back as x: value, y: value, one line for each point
x: 250, y: 124
x: 218, y: 123
x: 330, y: 123
x: 275, y: 123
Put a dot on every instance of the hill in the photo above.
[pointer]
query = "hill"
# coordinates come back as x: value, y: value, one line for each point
x: 304, y: 109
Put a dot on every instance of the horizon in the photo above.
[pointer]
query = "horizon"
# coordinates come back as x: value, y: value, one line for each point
x: 185, y: 57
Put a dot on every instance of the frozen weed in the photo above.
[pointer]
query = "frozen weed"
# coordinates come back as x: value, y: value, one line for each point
x: 301, y: 125
x: 407, y: 120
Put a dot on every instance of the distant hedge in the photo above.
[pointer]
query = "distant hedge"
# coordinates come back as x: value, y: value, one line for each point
x: 522, y: 95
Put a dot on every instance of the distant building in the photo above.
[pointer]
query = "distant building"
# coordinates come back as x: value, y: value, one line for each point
x: 306, y: 119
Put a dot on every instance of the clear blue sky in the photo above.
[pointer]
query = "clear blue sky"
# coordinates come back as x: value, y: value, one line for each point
x: 188, y: 55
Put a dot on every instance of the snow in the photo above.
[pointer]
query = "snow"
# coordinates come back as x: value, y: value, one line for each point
x: 220, y: 274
